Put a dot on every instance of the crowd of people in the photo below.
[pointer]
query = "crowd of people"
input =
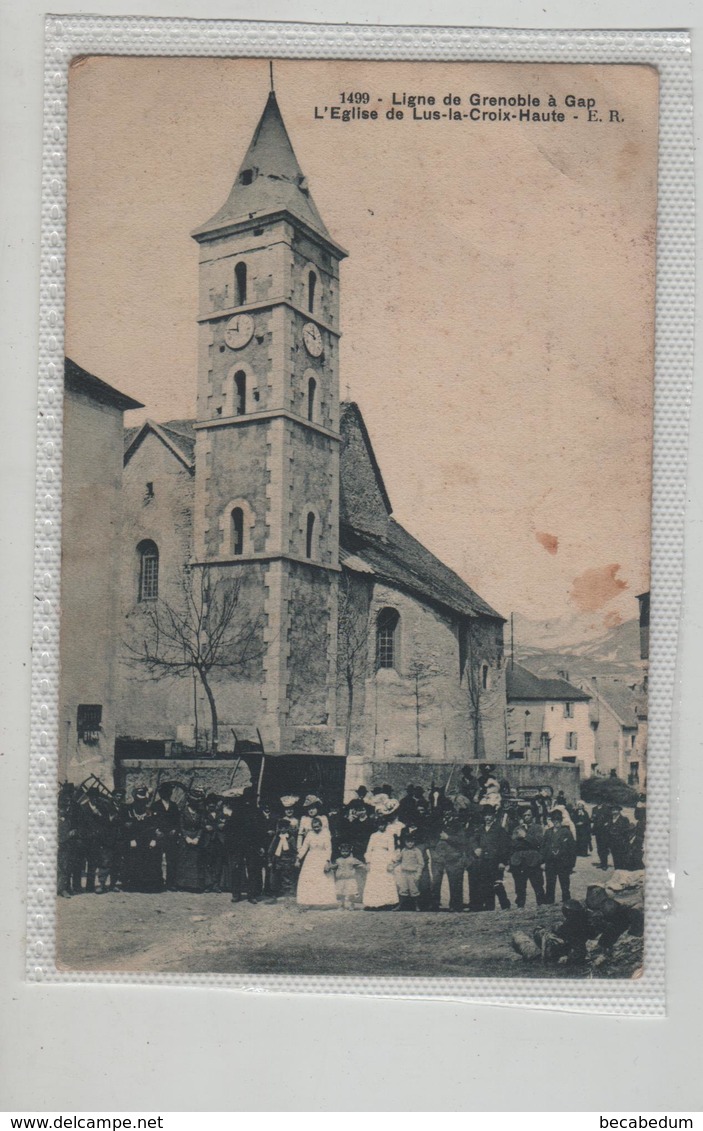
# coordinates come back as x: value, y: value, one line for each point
x: 376, y: 852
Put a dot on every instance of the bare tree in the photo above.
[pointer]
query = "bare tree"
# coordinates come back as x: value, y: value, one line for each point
x: 353, y: 660
x: 421, y: 674
x: 204, y: 631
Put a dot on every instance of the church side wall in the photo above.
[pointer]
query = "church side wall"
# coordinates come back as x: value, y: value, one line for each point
x: 151, y: 708
x: 421, y: 707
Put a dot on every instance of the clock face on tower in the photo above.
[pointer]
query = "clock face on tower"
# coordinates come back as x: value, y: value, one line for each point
x: 239, y: 331
x: 312, y: 339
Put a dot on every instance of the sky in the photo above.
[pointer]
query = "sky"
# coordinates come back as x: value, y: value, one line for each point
x: 497, y: 302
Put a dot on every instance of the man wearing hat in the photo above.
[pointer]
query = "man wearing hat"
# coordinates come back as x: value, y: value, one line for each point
x: 489, y: 850
x: 167, y: 817
x: 559, y: 857
x: 407, y: 808
x: 619, y: 832
x: 142, y: 850
x: 245, y: 845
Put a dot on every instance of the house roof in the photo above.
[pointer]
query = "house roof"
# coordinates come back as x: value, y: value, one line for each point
x: 620, y: 698
x: 269, y: 180
x: 79, y: 380
x: 177, y: 435
x: 523, y: 684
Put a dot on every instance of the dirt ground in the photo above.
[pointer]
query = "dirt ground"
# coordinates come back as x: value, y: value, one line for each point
x: 177, y: 932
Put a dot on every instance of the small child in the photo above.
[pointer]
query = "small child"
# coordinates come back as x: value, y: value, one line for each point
x: 345, y: 874
x: 408, y: 871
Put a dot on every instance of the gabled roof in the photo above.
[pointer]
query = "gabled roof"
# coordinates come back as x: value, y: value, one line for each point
x: 523, y: 684
x: 269, y: 180
x: 79, y: 380
x: 177, y: 435
x: 619, y: 698
x: 400, y: 560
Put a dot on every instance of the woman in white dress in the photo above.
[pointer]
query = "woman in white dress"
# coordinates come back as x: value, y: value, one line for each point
x: 313, y: 809
x: 316, y: 887
x: 381, y: 889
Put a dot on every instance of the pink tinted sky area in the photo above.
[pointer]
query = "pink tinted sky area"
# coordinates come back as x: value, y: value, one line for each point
x: 497, y: 303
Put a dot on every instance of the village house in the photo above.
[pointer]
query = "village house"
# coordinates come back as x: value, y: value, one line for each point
x: 618, y: 712
x: 548, y: 720
x: 91, y: 520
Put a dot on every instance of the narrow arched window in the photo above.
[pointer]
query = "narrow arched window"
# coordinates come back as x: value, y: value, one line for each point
x: 240, y: 281
x: 312, y: 389
x: 386, y: 638
x: 148, y: 571
x: 240, y: 393
x: 237, y: 531
x: 309, y: 534
x: 312, y: 283
x: 484, y: 677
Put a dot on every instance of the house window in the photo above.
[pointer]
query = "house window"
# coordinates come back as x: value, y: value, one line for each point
x: 240, y: 283
x: 89, y: 716
x: 544, y: 738
x: 240, y: 393
x: 309, y: 534
x: 386, y: 629
x: 312, y: 283
x: 312, y: 388
x: 572, y: 740
x: 528, y: 739
x: 237, y: 531
x: 568, y: 710
x: 246, y: 176
x: 148, y: 571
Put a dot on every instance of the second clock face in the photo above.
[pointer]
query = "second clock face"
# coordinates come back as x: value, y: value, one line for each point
x: 239, y: 331
x: 312, y: 339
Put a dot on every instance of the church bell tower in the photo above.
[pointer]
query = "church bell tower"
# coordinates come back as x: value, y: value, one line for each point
x: 267, y: 447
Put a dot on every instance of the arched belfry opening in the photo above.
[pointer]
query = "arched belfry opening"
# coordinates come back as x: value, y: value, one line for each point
x: 309, y: 534
x: 312, y: 284
x: 240, y: 283
x: 240, y: 393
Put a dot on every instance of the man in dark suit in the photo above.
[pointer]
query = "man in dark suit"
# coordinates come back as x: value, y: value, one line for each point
x: 245, y: 845
x: 167, y: 817
x: 619, y: 832
x: 489, y: 850
x: 600, y: 819
x: 559, y: 857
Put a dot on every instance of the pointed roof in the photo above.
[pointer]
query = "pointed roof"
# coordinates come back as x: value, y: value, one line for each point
x: 177, y: 435
x: 269, y: 180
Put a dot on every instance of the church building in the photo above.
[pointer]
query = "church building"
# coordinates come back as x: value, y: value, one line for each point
x: 263, y: 528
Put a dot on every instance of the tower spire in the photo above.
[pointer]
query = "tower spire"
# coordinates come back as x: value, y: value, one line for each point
x: 269, y: 180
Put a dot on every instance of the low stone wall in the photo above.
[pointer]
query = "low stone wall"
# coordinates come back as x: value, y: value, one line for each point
x: 398, y: 774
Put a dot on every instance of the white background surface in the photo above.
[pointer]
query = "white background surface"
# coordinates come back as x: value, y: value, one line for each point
x: 88, y: 1048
